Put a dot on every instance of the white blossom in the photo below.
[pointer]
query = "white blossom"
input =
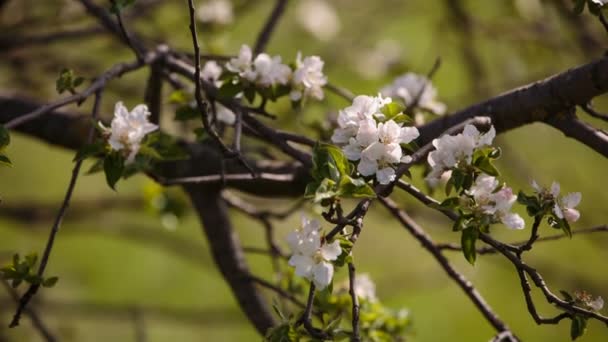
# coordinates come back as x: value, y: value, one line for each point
x: 365, y: 287
x: 270, y: 71
x: 377, y: 146
x: 319, y: 18
x: 563, y: 207
x: 600, y: 2
x: 495, y: 203
x: 597, y: 304
x: 211, y: 72
x: 224, y: 114
x: 451, y: 150
x: 410, y: 86
x: 128, y: 129
x: 308, y: 78
x: 311, y: 258
x: 216, y: 12
x: 242, y: 64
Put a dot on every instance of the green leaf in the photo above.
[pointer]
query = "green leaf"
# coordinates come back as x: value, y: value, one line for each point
x: 229, y: 89
x: 90, y: 150
x: 180, y: 97
x: 249, y: 94
x: 113, y: 166
x: 5, y: 138
x: 96, y: 167
x: 566, y: 228
x: 468, y: 239
x: 186, y: 112
x: 164, y: 146
x: 329, y: 162
x: 450, y: 202
x: 485, y: 164
x: 50, y: 281
x: 579, y: 6
x: 355, y: 187
x: 392, y: 109
x: 578, y: 327
x: 5, y: 161
x: 31, y: 259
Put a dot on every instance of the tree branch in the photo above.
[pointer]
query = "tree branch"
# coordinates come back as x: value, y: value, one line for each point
x: 269, y: 26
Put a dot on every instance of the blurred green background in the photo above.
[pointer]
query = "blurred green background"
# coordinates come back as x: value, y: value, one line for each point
x: 124, y: 274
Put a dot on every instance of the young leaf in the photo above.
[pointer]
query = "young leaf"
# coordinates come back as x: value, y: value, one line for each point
x: 50, y: 281
x: 468, y: 239
x: 5, y: 161
x: 185, y: 113
x: 578, y: 327
x: 113, y: 166
x: 89, y: 150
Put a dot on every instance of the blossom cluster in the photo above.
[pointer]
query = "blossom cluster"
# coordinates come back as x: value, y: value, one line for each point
x: 414, y: 89
x: 496, y: 204
x: 306, y: 80
x: 311, y: 255
x: 563, y: 207
x: 375, y: 143
x: 128, y: 129
x: 453, y: 151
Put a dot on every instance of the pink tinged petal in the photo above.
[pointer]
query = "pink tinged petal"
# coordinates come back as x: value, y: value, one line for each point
x: 331, y: 251
x: 323, y: 272
x: 392, y: 153
x: 367, y: 167
x: 343, y: 135
x: 303, y: 265
x: 386, y: 175
x: 555, y: 188
x: 352, y: 150
x: 120, y: 110
x: 571, y: 200
x: 558, y: 211
x: 513, y: 221
x: 571, y: 215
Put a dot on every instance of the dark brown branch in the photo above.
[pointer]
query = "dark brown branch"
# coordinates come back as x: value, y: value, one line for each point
x: 9, y: 43
x: 34, y: 317
x: 306, y: 319
x: 534, y: 102
x: 228, y: 254
x: 154, y: 90
x: 269, y: 26
x: 419, y: 234
x: 33, y: 289
x: 525, y: 286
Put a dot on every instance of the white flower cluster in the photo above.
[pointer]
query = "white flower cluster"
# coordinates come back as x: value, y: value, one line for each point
x: 495, y: 203
x: 128, y: 129
x: 307, y: 80
x: 216, y: 12
x: 453, y: 150
x: 596, y: 304
x: 564, y: 206
x: 311, y: 258
x: 375, y: 145
x: 410, y: 86
x: 211, y: 72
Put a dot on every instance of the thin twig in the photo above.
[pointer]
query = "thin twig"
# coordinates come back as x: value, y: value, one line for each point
x: 114, y: 72
x: 202, y: 107
x: 269, y: 26
x: 306, y: 319
x: 419, y: 234
x: 589, y: 110
x: 277, y: 289
x: 33, y: 289
x: 36, y: 321
x: 126, y: 36
x: 340, y: 91
x: 219, y: 178
x: 355, y: 302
